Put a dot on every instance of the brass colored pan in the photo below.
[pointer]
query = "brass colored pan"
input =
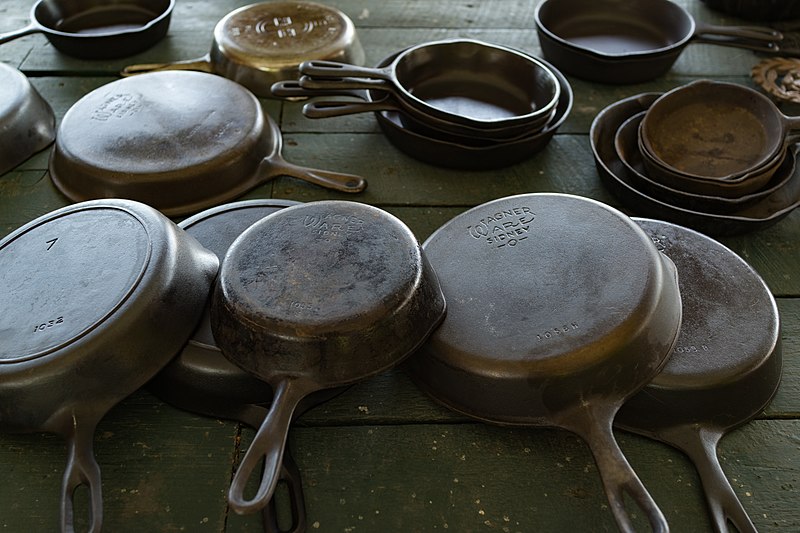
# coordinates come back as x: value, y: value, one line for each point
x: 260, y: 44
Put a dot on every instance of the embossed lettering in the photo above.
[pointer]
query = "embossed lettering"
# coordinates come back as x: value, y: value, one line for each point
x: 49, y: 324
x: 692, y: 348
x: 504, y: 228
x: 118, y: 106
x: 557, y: 331
x: 333, y: 225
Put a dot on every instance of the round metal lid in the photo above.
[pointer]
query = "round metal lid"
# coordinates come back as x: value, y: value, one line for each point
x: 280, y: 35
x: 61, y: 278
x: 540, y: 285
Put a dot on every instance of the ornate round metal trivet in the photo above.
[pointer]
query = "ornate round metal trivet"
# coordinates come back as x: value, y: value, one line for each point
x: 779, y: 77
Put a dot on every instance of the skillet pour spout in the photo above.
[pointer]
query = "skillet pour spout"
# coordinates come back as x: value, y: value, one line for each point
x: 316, y: 296
x: 85, y: 293
x: 585, y: 314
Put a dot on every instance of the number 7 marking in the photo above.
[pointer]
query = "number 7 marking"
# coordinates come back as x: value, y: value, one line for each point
x: 51, y: 242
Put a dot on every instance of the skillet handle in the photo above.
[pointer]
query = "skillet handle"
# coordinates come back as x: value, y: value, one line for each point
x: 290, y: 475
x: 723, y: 504
x: 346, y: 83
x: 793, y: 127
x: 268, y: 444
x: 275, y: 165
x: 16, y: 34
x: 331, y: 69
x: 594, y: 425
x: 202, y: 64
x: 757, y: 38
x: 332, y: 108
x: 293, y: 89
x: 81, y: 469
x: 254, y: 415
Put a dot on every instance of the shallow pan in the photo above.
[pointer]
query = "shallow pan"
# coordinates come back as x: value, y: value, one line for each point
x: 98, y: 29
x: 577, y: 323
x: 316, y: 296
x: 200, y: 379
x: 724, y: 370
x: 710, y: 131
x: 463, y: 81
x: 27, y: 122
x: 633, y: 41
x: 616, y: 178
x: 260, y: 44
x: 715, y: 198
x: 133, y: 138
x: 85, y: 296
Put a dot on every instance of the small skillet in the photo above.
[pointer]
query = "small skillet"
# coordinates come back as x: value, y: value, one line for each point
x: 98, y: 29
x: 200, y: 379
x: 316, y: 296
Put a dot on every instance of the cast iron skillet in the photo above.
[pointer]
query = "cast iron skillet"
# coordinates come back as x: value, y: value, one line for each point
x: 631, y: 41
x: 200, y: 379
x: 27, y: 122
x: 260, y: 44
x: 725, y: 368
x: 179, y: 141
x: 382, y: 100
x: 463, y: 81
x: 717, y: 199
x: 316, y: 296
x: 432, y: 146
x: 95, y: 298
x: 553, y: 323
x: 615, y: 176
x: 98, y: 29
x: 713, y: 131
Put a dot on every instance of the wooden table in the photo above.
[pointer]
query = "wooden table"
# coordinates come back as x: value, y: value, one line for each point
x: 382, y: 456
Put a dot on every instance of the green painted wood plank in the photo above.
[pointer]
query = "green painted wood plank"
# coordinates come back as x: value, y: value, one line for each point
x: 477, y: 477
x: 786, y: 403
x: 162, y: 470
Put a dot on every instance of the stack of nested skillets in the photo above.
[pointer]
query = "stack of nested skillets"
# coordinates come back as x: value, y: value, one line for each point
x: 714, y: 138
x: 715, y: 156
x: 455, y: 103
